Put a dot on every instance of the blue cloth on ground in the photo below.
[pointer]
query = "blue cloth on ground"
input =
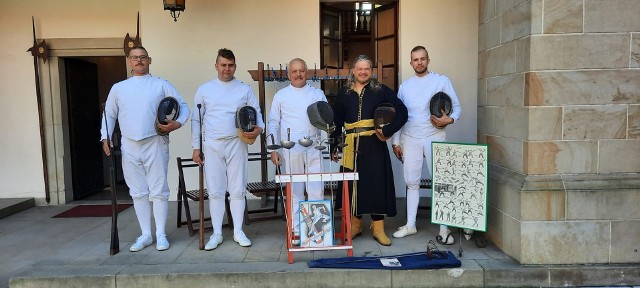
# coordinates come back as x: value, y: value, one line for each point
x: 439, y: 259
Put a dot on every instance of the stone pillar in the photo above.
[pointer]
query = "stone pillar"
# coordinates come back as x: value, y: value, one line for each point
x: 558, y: 104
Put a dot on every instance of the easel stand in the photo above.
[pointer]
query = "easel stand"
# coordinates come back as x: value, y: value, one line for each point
x: 344, y: 233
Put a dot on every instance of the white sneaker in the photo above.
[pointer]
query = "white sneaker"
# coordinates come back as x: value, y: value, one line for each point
x: 141, y: 242
x: 162, y: 243
x: 405, y: 231
x: 296, y: 239
x: 467, y: 233
x: 445, y: 237
x: 241, y: 239
x: 213, y: 243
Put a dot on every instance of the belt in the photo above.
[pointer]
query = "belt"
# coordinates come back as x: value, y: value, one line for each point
x: 358, y: 130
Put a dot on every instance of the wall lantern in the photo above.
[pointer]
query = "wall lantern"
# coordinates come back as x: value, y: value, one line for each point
x: 175, y: 7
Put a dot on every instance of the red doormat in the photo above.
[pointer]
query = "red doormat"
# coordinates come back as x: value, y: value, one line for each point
x: 91, y: 211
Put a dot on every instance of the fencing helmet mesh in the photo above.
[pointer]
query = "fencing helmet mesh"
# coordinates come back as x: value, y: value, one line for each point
x: 246, y: 117
x: 440, y: 102
x: 383, y: 115
x: 167, y: 109
x: 321, y: 115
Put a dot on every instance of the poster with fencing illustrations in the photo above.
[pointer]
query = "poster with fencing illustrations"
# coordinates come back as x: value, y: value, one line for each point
x: 459, y: 183
x: 316, y: 223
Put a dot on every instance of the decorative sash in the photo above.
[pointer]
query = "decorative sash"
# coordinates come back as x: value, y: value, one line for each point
x: 348, y: 158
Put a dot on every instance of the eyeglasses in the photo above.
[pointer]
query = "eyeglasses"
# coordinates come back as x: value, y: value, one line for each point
x: 140, y: 58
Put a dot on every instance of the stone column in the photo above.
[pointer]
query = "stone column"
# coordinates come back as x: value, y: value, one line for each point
x: 558, y: 104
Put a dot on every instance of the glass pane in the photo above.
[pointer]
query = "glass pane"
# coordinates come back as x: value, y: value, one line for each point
x: 331, y: 26
x: 331, y: 52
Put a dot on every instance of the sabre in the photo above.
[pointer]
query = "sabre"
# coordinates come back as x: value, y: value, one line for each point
x: 280, y: 77
x: 315, y: 73
x: 305, y: 142
x: 268, y: 78
x: 201, y: 187
x: 288, y: 145
x: 275, y: 146
x: 114, y: 246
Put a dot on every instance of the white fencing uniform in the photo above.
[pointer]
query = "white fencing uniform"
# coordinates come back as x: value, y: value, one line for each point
x: 225, y: 155
x: 289, y: 111
x: 145, y: 154
x: 416, y: 135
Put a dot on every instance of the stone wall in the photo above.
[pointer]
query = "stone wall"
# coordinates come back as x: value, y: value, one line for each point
x: 559, y: 106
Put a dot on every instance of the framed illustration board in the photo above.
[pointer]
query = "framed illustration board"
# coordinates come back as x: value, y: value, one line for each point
x: 316, y: 223
x: 459, y: 183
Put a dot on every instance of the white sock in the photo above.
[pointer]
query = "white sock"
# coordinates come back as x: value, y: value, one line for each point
x: 413, y: 198
x: 160, y: 211
x: 237, y: 207
x: 216, y: 210
x: 142, y: 206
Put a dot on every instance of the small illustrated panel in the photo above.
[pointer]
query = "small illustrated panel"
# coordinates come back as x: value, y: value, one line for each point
x: 316, y: 223
x: 460, y: 176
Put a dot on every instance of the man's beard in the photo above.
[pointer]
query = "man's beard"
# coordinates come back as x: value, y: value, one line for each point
x: 421, y: 71
x: 363, y: 82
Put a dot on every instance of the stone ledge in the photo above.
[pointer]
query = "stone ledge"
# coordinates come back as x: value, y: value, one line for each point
x: 10, y: 206
x: 473, y: 273
x: 566, y: 182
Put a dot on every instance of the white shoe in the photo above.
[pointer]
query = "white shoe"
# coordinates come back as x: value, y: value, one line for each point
x: 213, y: 243
x: 467, y: 233
x: 141, y: 242
x: 445, y: 237
x: 162, y: 243
x: 405, y: 231
x: 241, y: 239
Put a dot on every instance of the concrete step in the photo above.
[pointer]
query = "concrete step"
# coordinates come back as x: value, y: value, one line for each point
x: 278, y: 274
x: 10, y: 206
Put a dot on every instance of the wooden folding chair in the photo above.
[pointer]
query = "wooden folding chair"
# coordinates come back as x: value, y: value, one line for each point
x: 263, y: 188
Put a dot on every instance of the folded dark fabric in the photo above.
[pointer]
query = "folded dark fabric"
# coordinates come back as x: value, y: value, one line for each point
x: 438, y: 259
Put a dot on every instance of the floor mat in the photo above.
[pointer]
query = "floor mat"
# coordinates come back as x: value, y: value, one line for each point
x: 91, y: 211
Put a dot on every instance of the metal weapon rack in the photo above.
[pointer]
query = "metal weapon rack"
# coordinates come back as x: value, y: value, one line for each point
x: 263, y: 75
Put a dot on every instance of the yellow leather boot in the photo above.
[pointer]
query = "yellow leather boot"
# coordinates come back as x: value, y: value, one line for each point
x: 378, y: 233
x: 356, y: 227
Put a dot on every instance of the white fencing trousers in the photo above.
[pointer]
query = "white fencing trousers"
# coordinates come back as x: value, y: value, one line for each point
x: 225, y: 167
x: 295, y: 164
x: 144, y: 165
x: 414, y: 152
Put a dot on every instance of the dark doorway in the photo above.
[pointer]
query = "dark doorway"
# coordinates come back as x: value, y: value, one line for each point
x: 88, y: 81
x: 352, y: 28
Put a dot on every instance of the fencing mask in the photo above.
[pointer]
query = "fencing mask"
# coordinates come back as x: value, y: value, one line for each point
x: 383, y: 115
x: 440, y: 102
x: 246, y: 117
x: 321, y: 115
x: 167, y: 109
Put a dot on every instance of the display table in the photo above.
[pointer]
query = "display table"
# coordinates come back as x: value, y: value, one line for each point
x: 344, y: 233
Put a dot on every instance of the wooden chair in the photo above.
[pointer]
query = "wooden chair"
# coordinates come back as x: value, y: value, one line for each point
x: 264, y: 188
x: 184, y: 195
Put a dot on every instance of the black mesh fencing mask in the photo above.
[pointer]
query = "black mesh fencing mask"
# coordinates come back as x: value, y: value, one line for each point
x: 440, y: 102
x: 383, y: 115
x: 246, y: 117
x: 167, y: 109
x: 320, y: 115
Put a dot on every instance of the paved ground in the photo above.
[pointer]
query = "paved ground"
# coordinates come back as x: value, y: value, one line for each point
x: 40, y: 251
